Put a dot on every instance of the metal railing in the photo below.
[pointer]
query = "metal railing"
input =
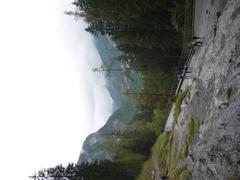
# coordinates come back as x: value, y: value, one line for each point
x: 187, y: 50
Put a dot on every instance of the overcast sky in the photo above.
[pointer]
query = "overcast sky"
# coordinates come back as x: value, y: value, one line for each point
x: 50, y: 100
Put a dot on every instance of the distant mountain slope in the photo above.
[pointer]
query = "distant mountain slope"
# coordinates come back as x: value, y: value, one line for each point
x: 124, y: 107
x: 93, y: 147
x: 107, y: 52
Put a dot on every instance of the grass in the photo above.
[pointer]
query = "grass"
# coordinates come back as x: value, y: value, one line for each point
x: 159, y: 147
x: 174, y: 156
x: 189, y: 135
x: 165, y: 150
x: 178, y: 104
x: 160, y: 152
x: 181, y: 173
x: 185, y: 175
x: 146, y: 172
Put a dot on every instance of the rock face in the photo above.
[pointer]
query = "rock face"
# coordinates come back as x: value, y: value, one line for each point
x: 214, y: 95
x: 97, y: 145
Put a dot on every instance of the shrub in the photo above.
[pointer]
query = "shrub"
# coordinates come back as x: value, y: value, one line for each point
x: 158, y: 122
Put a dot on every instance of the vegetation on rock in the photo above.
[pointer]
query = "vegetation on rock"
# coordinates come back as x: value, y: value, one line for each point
x: 178, y: 104
x: 189, y: 135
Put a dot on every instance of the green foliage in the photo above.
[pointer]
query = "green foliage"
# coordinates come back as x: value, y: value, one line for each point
x: 174, y: 156
x: 139, y: 141
x: 147, y: 169
x: 131, y: 158
x: 133, y: 148
x: 149, y: 35
x: 185, y: 175
x: 131, y: 162
x: 189, y: 135
x: 181, y: 173
x: 142, y: 29
x: 178, y: 171
x: 160, y: 146
x: 101, y: 170
x: 144, y: 114
x: 178, y: 104
x: 106, y: 143
x: 160, y: 152
x: 157, y: 82
x: 158, y: 122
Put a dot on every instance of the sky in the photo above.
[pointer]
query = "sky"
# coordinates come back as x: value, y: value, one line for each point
x: 50, y: 99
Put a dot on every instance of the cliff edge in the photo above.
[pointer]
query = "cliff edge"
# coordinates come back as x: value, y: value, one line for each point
x: 206, y: 134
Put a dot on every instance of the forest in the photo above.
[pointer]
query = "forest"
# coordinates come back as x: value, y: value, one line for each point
x: 149, y: 34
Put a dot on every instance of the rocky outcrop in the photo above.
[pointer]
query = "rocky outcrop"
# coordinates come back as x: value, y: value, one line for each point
x: 213, y: 100
x: 96, y: 146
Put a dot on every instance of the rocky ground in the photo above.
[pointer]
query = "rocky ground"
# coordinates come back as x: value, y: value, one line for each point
x: 214, y: 93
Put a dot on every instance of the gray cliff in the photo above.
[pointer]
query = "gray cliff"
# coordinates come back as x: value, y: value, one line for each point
x: 213, y: 100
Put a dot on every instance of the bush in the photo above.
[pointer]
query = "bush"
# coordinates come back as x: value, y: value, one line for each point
x: 139, y: 141
x: 131, y: 163
x: 158, y: 122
